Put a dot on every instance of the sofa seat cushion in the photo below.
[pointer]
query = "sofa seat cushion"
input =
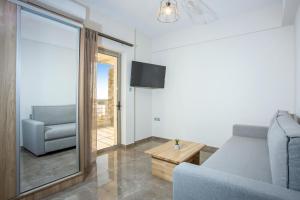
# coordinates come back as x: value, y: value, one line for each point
x: 58, y: 144
x: 243, y: 156
x: 60, y: 131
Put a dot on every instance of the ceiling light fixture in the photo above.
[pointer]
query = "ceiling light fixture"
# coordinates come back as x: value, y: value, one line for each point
x: 168, y: 11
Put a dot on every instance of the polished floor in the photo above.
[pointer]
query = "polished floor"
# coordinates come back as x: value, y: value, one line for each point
x: 38, y: 170
x: 105, y: 137
x: 123, y: 175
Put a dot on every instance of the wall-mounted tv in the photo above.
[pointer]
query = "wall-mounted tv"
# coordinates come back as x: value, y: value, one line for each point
x: 147, y: 75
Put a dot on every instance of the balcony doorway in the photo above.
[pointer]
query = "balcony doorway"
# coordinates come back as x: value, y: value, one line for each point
x: 108, y: 99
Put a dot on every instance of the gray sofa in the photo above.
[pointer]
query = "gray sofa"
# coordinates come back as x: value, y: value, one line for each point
x: 255, y: 163
x: 49, y: 128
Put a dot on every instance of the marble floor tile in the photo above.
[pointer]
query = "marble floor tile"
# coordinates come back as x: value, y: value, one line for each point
x: 122, y: 174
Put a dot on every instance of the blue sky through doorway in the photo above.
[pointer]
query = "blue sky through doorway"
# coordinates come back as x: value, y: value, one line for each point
x: 102, y: 80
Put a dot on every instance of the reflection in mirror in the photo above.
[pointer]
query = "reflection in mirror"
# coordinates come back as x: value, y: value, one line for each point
x: 47, y: 100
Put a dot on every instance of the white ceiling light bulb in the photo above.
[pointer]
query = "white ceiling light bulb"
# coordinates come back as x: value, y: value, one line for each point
x: 168, y: 11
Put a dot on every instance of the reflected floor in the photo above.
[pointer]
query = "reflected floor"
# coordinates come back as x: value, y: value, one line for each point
x: 124, y: 175
x: 36, y: 171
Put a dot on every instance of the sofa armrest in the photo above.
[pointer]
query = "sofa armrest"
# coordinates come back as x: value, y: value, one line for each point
x: 33, y: 136
x: 250, y: 131
x: 192, y: 182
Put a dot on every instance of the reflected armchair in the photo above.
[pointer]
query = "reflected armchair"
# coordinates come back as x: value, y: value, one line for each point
x: 50, y: 128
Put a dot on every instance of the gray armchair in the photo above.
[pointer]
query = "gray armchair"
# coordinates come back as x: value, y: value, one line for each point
x: 50, y: 128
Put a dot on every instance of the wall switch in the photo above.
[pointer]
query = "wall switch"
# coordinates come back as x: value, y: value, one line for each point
x: 156, y: 119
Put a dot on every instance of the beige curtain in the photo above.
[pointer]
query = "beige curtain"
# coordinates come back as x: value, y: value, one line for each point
x: 90, y: 50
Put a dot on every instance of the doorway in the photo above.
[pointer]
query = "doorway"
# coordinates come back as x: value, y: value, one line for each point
x: 108, y: 99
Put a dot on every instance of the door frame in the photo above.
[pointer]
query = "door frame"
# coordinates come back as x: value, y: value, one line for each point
x: 117, y: 55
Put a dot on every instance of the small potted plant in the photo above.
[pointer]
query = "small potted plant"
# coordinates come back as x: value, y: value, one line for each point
x: 177, y: 145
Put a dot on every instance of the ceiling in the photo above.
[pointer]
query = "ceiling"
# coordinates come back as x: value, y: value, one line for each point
x: 142, y: 13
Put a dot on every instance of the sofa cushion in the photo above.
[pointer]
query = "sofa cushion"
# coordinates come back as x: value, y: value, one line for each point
x: 243, y: 156
x: 60, y: 131
x: 54, y: 145
x: 284, y: 150
x: 52, y: 115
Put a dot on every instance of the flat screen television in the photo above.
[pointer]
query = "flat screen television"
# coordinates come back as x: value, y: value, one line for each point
x: 147, y: 75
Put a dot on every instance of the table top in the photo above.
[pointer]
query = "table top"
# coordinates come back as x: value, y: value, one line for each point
x: 167, y: 152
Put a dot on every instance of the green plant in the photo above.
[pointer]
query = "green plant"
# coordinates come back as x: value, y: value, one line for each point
x: 176, y: 141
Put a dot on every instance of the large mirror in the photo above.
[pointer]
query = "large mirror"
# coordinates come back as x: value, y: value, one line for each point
x: 47, y: 91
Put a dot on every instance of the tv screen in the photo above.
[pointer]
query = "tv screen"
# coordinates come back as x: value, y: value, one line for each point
x: 147, y: 75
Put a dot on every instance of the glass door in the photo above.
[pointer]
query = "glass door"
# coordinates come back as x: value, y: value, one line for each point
x: 108, y: 99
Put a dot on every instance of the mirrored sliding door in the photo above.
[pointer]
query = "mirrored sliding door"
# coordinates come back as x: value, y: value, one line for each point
x: 47, y: 100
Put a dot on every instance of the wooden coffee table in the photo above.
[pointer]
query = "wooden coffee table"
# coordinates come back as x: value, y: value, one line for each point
x: 165, y: 157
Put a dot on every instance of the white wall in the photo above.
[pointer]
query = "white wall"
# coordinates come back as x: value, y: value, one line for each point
x: 214, y: 84
x: 143, y: 96
x: 49, y: 63
x: 297, y: 34
x: 66, y: 6
x: 290, y: 8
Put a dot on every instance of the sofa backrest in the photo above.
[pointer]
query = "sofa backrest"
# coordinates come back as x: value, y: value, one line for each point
x: 52, y: 115
x: 284, y: 151
x: 277, y: 114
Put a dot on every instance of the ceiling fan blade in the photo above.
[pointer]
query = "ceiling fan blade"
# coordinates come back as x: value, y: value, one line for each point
x: 199, y: 12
